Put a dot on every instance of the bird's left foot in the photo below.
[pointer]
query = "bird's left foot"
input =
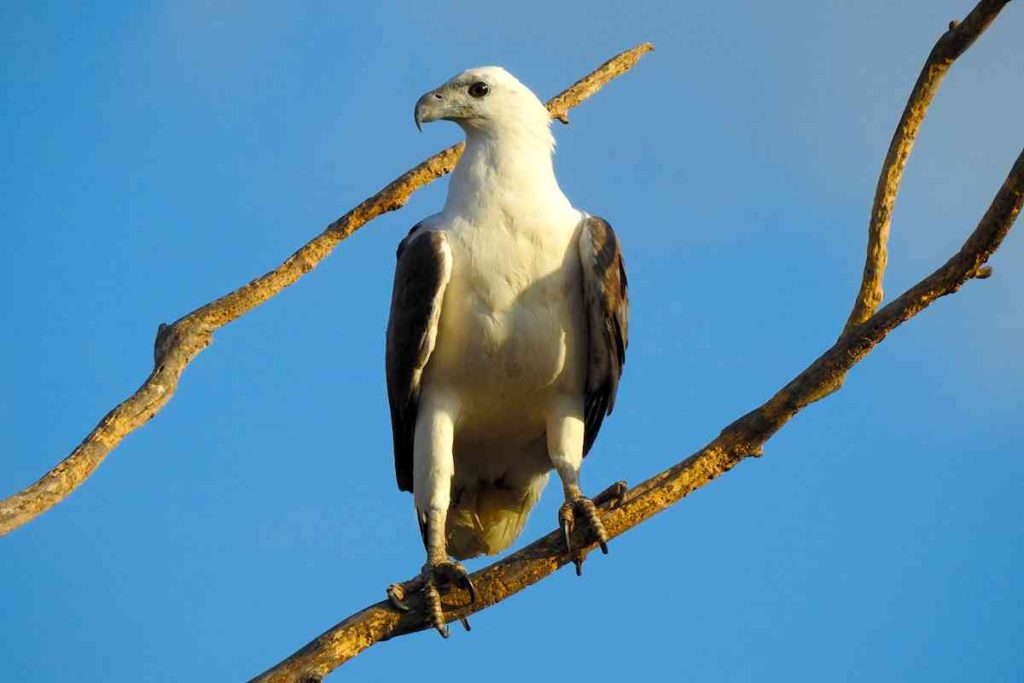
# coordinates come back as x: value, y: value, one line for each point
x: 584, y: 510
x: 432, y: 580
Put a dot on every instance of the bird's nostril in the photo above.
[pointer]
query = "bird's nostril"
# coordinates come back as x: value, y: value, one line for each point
x: 437, y: 96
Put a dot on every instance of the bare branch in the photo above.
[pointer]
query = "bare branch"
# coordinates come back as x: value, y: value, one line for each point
x: 179, y: 343
x: 746, y: 436
x: 560, y: 104
x: 743, y: 438
x: 952, y: 44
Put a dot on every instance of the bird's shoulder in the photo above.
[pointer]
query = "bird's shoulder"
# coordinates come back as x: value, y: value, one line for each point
x: 428, y: 224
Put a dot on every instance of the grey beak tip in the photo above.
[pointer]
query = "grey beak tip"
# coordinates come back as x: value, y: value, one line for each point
x: 424, y: 111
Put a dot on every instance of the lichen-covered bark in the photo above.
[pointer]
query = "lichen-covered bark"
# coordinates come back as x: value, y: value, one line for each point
x: 179, y: 343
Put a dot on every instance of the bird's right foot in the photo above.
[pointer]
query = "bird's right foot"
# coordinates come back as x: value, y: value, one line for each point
x: 433, y: 578
x: 585, y: 509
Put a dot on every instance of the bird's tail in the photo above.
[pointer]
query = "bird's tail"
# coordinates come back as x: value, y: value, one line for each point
x: 487, y: 519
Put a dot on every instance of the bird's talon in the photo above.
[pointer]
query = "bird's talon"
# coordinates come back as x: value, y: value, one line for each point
x: 465, y: 623
x: 612, y: 496
x: 435, y: 613
x: 396, y: 596
x: 566, y: 532
x: 586, y: 508
x: 466, y: 584
x: 473, y: 595
x: 430, y: 582
x: 453, y: 573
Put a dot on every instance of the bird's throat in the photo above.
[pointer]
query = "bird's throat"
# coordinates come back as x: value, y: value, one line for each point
x: 492, y: 168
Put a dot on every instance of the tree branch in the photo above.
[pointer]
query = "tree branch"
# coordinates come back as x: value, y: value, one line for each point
x: 952, y: 44
x: 179, y: 343
x: 743, y: 438
x: 746, y: 436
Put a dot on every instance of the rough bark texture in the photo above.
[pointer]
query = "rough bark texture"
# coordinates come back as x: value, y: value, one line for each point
x: 866, y: 328
x: 179, y: 343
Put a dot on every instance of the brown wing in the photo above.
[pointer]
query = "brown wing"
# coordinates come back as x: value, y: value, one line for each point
x: 424, y: 267
x: 606, y: 304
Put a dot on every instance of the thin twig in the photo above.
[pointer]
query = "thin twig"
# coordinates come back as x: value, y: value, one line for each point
x: 952, y: 44
x: 179, y: 343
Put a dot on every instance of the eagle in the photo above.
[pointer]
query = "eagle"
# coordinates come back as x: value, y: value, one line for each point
x: 506, y: 339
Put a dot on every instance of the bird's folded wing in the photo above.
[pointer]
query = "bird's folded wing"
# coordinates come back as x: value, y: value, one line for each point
x: 606, y: 304
x: 423, y: 270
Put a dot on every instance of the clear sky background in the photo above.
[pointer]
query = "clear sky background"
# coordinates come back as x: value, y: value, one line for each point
x: 157, y: 154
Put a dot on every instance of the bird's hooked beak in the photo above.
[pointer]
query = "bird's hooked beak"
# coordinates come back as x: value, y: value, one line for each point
x: 430, y: 107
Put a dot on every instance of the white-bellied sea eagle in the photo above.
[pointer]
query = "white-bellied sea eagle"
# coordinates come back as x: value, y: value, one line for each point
x: 506, y: 339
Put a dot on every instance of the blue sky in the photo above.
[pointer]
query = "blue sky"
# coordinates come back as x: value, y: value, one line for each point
x: 156, y: 155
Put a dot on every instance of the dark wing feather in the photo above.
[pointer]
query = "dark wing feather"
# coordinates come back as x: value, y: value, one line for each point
x: 424, y: 267
x: 606, y: 305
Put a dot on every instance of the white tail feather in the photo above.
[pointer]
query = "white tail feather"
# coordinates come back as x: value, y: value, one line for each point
x: 487, y: 519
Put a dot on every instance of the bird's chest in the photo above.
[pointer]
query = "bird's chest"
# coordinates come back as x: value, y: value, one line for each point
x: 512, y: 311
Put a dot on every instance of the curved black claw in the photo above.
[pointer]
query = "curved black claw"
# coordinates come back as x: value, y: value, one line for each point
x: 452, y: 573
x: 566, y: 525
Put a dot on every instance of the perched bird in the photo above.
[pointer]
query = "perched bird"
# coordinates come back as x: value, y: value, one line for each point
x: 506, y: 339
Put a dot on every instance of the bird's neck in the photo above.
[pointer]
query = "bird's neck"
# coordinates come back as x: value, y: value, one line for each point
x: 505, y: 172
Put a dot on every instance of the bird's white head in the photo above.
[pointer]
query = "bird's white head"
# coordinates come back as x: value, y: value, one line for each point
x: 487, y: 100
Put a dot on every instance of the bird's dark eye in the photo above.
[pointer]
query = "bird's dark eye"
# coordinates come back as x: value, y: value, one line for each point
x: 479, y: 89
